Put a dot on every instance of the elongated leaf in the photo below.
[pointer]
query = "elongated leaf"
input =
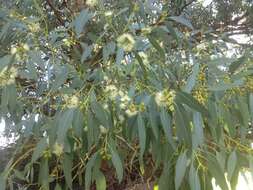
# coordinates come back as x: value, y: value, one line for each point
x: 88, y: 171
x: 65, y: 123
x: 78, y: 122
x: 2, y: 181
x: 198, y: 134
x: 39, y: 149
x: 190, y: 101
x: 251, y: 105
x: 44, y: 174
x: 116, y: 161
x: 57, y: 187
x: 166, y: 123
x: 81, y: 20
x: 216, y: 171
x: 100, y: 181
x: 152, y: 118
x: 119, y: 55
x: 192, y: 78
x: 100, y: 113
x: 142, y: 134
x: 182, y: 124
x: 194, y: 179
x: 67, y: 169
x: 231, y: 164
x: 180, y: 170
x: 236, y: 64
x: 157, y: 46
x: 182, y: 20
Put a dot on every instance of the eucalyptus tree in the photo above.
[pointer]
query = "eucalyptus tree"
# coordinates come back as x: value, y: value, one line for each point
x: 103, y: 93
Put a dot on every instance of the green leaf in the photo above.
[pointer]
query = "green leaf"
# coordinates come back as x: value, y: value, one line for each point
x: 143, y: 67
x: 78, y: 122
x: 67, y: 169
x: 81, y: 20
x: 44, y: 174
x: 88, y: 171
x: 57, y: 187
x: 190, y: 101
x: 39, y: 149
x: 165, y: 178
x: 100, y: 181
x: 108, y: 50
x: 119, y: 55
x: 198, y: 134
x: 100, y: 113
x: 152, y: 118
x: 231, y: 164
x: 251, y: 105
x: 166, y: 124
x: 5, y: 61
x: 116, y: 161
x: 180, y: 169
x: 225, y: 86
x: 182, y: 20
x: 194, y: 179
x: 2, y: 181
x: 182, y: 124
x: 190, y: 83
x: 236, y: 64
x: 216, y: 171
x: 142, y: 134
x: 65, y: 123
x: 172, y: 31
x: 61, y: 76
x: 157, y: 46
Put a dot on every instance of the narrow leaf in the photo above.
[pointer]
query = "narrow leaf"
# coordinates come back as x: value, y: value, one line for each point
x: 100, y: 181
x: 142, y: 134
x: 116, y: 161
x: 40, y: 147
x: 182, y: 20
x: 166, y: 124
x: 194, y: 179
x: 181, y: 166
x: 190, y: 101
x: 231, y: 164
x: 67, y: 169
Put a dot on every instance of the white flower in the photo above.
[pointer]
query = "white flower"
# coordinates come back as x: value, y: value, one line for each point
x: 58, y: 149
x: 108, y: 13
x: 121, y: 118
x: 26, y: 47
x: 92, y: 2
x: 159, y: 98
x: 131, y: 113
x: 103, y: 130
x: 13, y: 50
x: 126, y: 41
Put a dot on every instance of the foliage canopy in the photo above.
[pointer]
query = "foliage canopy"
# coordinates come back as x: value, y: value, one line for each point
x: 101, y: 91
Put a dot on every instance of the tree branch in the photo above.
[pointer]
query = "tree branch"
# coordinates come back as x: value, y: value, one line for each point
x: 56, y: 12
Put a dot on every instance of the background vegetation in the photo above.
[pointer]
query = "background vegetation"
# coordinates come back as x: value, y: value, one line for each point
x: 104, y: 94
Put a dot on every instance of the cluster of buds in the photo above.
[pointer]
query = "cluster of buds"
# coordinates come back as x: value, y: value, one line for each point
x: 105, y: 154
x: 133, y: 109
x: 7, y: 76
x: 249, y: 84
x: 166, y: 98
x: 201, y: 94
x: 20, y: 51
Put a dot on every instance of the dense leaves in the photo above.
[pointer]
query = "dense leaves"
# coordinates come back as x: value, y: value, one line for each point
x: 99, y: 93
